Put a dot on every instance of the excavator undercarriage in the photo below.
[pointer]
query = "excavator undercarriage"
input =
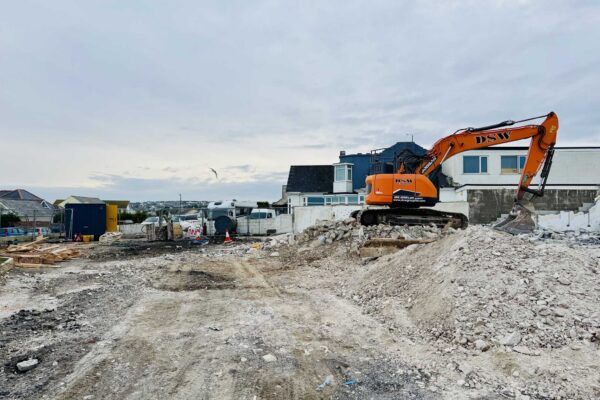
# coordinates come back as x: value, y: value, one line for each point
x: 411, y: 217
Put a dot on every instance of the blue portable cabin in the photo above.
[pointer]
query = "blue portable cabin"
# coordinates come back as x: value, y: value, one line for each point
x: 85, y: 219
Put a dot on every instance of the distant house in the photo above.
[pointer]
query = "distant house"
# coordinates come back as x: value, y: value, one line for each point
x: 31, y: 209
x: 122, y: 205
x: 78, y: 200
x: 317, y: 185
x: 18, y: 194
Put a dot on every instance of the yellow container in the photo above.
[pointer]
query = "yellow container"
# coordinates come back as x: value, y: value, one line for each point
x: 111, y: 218
x: 87, y: 238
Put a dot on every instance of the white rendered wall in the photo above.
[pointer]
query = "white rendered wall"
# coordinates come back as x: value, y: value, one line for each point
x: 569, y: 166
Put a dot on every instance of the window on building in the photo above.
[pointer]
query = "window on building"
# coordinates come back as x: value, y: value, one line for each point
x: 512, y: 164
x: 343, y: 172
x: 340, y: 172
x: 475, y: 165
x: 314, y: 201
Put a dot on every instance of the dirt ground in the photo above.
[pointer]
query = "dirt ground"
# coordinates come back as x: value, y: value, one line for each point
x: 216, y: 322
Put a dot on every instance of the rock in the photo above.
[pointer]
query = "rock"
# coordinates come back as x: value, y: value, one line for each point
x: 466, y: 369
x: 544, y: 311
x: 269, y: 358
x: 482, y: 345
x: 318, y: 242
x: 274, y: 254
x: 395, y: 235
x: 328, y: 381
x: 26, y: 365
x: 563, y: 281
x: 526, y: 351
x: 511, y: 339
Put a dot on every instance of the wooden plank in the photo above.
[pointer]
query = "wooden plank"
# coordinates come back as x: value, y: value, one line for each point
x: 28, y: 265
x: 48, y: 249
x: 399, y: 243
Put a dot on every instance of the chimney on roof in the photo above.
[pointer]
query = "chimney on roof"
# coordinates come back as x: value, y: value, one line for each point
x: 342, y: 153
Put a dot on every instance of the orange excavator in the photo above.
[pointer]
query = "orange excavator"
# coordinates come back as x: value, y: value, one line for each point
x: 416, y: 182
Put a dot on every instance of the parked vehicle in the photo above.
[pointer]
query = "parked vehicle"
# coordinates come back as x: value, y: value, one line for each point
x: 187, y: 220
x: 153, y: 221
x: 9, y: 232
x: 225, y: 214
x: 262, y: 213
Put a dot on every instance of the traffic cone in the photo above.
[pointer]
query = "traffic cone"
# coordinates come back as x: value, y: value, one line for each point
x: 227, y: 238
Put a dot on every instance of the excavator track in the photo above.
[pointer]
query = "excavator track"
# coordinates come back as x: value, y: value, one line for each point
x: 411, y: 217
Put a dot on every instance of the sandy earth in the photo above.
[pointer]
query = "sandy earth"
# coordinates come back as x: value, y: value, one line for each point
x: 228, y: 323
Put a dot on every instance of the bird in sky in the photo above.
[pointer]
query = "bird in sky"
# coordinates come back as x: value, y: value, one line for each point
x: 214, y: 172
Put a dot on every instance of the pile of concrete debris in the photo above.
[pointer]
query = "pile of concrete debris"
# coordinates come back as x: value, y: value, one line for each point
x: 577, y: 236
x: 328, y: 232
x: 483, y: 288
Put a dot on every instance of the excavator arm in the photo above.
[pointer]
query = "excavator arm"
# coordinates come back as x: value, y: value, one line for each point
x: 541, y: 149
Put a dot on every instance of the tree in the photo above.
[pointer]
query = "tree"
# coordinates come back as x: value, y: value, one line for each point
x: 135, y: 217
x: 9, y: 220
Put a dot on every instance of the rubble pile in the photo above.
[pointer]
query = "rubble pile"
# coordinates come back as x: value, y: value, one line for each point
x: 328, y: 232
x: 481, y: 289
x: 577, y: 236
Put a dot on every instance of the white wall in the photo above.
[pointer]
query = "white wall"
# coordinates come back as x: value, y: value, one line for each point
x: 450, y: 194
x: 281, y: 224
x: 131, y: 229
x: 570, y: 221
x: 461, y: 207
x: 569, y: 166
x: 342, y: 187
x: 308, y: 216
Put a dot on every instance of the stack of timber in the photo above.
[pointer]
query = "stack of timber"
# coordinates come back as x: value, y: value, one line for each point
x: 37, y: 254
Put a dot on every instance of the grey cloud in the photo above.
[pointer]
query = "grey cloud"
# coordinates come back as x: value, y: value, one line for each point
x: 226, y: 81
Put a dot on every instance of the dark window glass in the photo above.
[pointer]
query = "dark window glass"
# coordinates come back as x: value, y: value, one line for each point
x: 508, y: 165
x: 470, y: 164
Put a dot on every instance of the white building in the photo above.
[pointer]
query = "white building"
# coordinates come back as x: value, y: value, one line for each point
x: 572, y: 168
x: 487, y: 180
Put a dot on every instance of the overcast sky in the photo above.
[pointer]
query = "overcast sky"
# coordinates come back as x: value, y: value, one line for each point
x: 138, y: 99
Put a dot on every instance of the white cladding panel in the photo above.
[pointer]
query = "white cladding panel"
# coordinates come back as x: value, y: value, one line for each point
x: 569, y: 166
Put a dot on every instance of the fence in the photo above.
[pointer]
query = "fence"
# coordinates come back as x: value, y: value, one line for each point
x: 33, y: 218
x: 264, y: 226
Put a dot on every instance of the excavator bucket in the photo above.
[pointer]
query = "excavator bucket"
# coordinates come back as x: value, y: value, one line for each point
x: 520, y: 220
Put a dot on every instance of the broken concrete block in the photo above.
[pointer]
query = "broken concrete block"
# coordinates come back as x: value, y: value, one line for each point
x: 269, y: 358
x: 482, y: 345
x: 511, y: 339
x: 26, y: 365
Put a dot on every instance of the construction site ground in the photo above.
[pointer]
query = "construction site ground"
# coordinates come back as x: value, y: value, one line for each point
x: 470, y: 314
